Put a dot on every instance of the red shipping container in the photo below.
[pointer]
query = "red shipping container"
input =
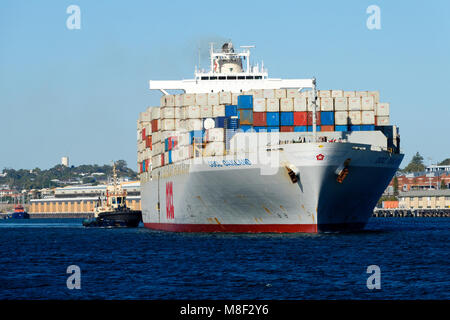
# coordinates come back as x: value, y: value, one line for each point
x: 154, y: 125
x: 148, y: 142
x: 310, y: 116
x: 143, y: 134
x: 162, y: 159
x: 327, y: 128
x: 286, y: 129
x: 146, y: 165
x: 300, y: 118
x: 259, y: 119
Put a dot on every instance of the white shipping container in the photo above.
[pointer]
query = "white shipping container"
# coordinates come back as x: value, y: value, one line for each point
x: 310, y: 105
x: 280, y: 93
x: 361, y: 93
x: 156, y: 161
x: 341, y: 118
x: 286, y: 104
x: 162, y: 101
x: 188, y: 99
x: 184, y: 139
x: 178, y: 100
x: 156, y: 137
x: 177, y: 125
x: 375, y: 95
x: 194, y: 124
x: 326, y: 104
x: 367, y: 103
x: 168, y: 113
x: 382, y: 120
x: 234, y: 98
x: 300, y: 104
x: 170, y: 100
x: 382, y: 109
x: 193, y: 112
x: 273, y: 105
x: 214, y: 149
x: 201, y: 99
x: 156, y: 113
x: 269, y: 93
x: 259, y: 105
x: 337, y: 93
x: 146, y: 116
x: 349, y: 94
x: 355, y: 117
x: 368, y: 117
x: 354, y: 104
x: 258, y: 93
x: 213, y: 98
x: 219, y: 111
x: 293, y: 93
x: 215, y: 134
x: 340, y: 104
x: 168, y: 124
x: 206, y: 111
x: 166, y: 158
x: 182, y: 128
x: 225, y: 98
x: 324, y: 93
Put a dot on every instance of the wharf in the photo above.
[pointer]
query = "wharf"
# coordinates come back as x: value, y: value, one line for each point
x: 436, y: 213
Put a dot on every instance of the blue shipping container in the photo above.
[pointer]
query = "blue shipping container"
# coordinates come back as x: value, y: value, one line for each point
x: 245, y: 102
x: 232, y: 123
x: 231, y: 111
x: 273, y: 119
x: 367, y: 127
x: 170, y: 156
x: 267, y: 129
x: 166, y: 144
x: 219, y: 122
x: 300, y: 129
x: 245, y: 127
x: 197, y: 135
x: 310, y: 128
x: 287, y: 118
x: 341, y: 128
x: 327, y: 118
x: 355, y: 128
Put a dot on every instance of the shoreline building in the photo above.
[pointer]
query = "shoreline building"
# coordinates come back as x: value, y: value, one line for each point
x: 425, y: 199
x: 81, y: 199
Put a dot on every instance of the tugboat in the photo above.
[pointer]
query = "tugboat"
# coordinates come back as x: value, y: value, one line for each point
x: 112, y: 210
x: 19, y: 213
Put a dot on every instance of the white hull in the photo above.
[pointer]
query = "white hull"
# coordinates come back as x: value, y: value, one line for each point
x: 248, y: 196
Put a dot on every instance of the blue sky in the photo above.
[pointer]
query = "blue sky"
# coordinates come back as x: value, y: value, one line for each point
x: 78, y: 92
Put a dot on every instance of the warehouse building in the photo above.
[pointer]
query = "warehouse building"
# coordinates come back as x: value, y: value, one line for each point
x: 425, y: 199
x: 81, y: 199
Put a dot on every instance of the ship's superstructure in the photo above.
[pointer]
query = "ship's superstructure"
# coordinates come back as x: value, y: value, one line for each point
x: 238, y: 151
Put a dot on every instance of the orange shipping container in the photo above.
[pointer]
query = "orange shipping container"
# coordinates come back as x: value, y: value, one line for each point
x: 327, y: 128
x: 148, y: 142
x: 390, y: 204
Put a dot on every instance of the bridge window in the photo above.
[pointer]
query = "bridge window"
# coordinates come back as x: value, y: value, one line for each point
x: 241, y: 78
x: 204, y: 78
x: 249, y: 77
x: 213, y: 78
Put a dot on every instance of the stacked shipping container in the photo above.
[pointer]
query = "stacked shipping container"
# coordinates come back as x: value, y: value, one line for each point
x: 188, y: 125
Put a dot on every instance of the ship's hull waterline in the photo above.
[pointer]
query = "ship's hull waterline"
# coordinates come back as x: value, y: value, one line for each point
x: 243, y: 195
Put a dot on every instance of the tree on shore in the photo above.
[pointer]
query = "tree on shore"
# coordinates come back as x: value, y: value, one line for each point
x: 446, y: 162
x: 416, y: 164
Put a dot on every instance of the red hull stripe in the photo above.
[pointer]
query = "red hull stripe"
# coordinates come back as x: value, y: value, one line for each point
x: 239, y: 228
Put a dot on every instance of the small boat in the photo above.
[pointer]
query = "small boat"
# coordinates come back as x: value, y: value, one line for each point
x: 19, y: 213
x: 111, y: 209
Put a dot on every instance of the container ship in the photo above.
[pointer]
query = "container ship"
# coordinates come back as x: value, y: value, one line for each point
x: 234, y: 150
